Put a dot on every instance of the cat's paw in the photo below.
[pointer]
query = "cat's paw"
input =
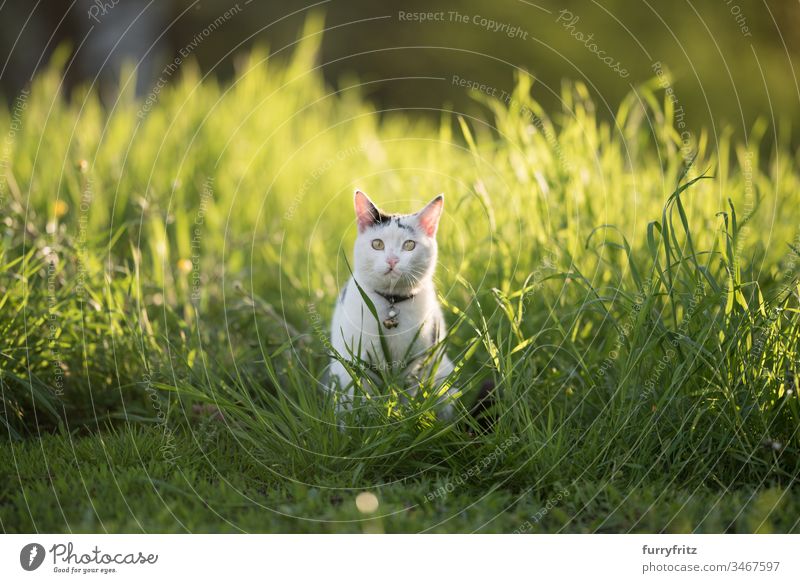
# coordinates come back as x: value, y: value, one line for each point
x: 445, y: 412
x: 446, y: 408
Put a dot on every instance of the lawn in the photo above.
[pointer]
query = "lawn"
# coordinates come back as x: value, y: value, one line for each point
x: 121, y: 483
x: 168, y: 272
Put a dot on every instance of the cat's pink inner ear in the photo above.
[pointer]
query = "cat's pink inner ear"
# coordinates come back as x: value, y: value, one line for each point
x: 366, y: 212
x: 429, y: 216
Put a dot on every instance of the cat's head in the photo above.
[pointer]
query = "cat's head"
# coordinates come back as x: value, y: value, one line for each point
x: 395, y: 253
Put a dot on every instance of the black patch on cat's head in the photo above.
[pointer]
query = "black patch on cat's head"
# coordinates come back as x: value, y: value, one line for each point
x: 402, y: 225
x: 367, y: 213
x: 379, y: 218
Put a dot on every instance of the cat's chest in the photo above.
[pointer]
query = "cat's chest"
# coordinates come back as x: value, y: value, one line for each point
x: 401, y: 318
x: 401, y: 322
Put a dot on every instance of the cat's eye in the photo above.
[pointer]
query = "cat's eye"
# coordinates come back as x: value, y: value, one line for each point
x: 377, y: 244
x: 409, y: 245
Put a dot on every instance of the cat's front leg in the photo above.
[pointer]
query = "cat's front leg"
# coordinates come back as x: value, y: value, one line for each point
x: 342, y: 386
x: 446, y: 407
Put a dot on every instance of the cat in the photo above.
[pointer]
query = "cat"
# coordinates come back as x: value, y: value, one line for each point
x: 394, y: 260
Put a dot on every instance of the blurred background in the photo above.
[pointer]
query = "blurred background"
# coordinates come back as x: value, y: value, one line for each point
x: 731, y: 61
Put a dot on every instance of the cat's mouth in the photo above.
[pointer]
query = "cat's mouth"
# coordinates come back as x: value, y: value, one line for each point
x: 392, y: 272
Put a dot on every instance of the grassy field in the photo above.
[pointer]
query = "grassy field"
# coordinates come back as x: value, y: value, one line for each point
x: 121, y: 483
x: 169, y: 269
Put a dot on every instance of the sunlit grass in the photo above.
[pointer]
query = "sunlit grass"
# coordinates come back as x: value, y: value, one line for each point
x: 632, y: 296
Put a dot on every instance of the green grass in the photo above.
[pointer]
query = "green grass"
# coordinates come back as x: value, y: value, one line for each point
x: 119, y: 482
x: 638, y: 314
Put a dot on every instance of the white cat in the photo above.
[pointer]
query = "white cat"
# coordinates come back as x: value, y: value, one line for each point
x: 393, y: 263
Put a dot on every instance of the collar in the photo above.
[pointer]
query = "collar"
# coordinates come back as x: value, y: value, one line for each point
x: 395, y: 299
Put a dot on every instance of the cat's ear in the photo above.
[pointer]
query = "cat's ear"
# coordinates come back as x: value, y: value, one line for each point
x: 428, y: 217
x: 367, y: 213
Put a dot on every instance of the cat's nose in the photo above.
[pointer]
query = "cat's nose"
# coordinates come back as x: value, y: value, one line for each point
x: 392, y: 261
